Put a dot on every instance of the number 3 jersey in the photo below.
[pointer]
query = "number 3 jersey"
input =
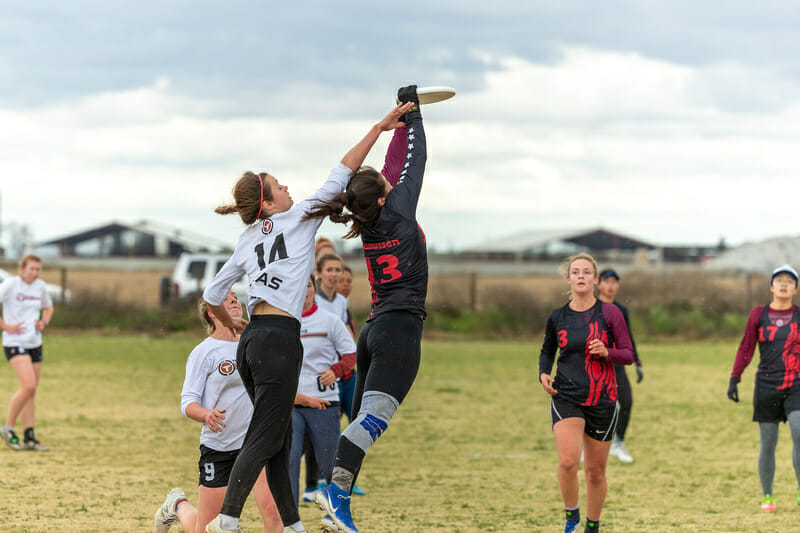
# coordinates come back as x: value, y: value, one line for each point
x: 212, y: 380
x: 582, y: 377
x: 776, y: 332
x: 394, y: 244
x: 325, y: 338
x: 277, y: 254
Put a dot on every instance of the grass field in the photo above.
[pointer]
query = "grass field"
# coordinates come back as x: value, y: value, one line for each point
x: 470, y: 450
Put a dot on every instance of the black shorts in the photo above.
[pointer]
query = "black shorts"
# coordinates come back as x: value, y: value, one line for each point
x: 772, y: 405
x: 601, y: 420
x: 215, y: 467
x: 13, y: 351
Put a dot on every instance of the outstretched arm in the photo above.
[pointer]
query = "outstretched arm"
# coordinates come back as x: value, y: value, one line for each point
x: 355, y: 157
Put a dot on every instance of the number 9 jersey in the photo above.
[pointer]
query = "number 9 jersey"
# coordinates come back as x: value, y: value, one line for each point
x: 394, y: 244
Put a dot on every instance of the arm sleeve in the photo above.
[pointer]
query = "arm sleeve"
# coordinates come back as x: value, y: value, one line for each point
x: 748, y: 345
x: 5, y: 287
x: 395, y: 156
x: 343, y: 342
x: 405, y: 195
x: 231, y: 271
x: 336, y: 183
x: 548, y: 354
x: 194, y: 384
x: 624, y: 311
x: 622, y: 354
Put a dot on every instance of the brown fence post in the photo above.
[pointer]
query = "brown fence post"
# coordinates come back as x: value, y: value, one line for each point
x: 63, y: 284
x: 473, y: 291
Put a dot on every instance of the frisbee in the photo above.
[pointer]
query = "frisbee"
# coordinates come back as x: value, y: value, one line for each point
x: 433, y: 94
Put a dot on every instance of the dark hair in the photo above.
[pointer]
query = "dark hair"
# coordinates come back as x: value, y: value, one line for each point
x: 247, y: 193
x: 346, y: 268
x: 360, y: 198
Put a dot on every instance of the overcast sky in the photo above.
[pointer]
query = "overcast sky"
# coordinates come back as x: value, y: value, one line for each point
x: 669, y: 121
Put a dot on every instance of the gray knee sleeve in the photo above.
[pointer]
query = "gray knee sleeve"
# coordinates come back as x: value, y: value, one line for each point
x: 766, y: 455
x: 377, y: 409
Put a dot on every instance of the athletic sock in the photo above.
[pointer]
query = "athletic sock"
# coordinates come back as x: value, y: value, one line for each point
x: 573, y: 515
x: 228, y: 522
x: 592, y: 526
x: 179, y: 502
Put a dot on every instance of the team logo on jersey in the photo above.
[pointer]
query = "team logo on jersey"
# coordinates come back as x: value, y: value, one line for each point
x: 266, y: 227
x: 779, y: 322
x: 226, y: 368
x: 22, y: 297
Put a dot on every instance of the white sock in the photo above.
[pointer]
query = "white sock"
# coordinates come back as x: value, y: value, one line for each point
x: 228, y: 522
x: 297, y: 526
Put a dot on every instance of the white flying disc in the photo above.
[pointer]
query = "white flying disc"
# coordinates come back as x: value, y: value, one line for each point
x: 433, y: 94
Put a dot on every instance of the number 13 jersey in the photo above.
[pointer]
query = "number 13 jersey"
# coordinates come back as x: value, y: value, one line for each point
x: 394, y: 244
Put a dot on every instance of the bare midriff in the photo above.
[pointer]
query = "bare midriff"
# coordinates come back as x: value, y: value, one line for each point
x: 263, y: 308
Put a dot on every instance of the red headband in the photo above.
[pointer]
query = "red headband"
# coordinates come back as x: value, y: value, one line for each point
x: 260, y: 205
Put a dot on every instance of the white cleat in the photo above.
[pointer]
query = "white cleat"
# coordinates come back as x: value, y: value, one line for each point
x: 619, y: 451
x: 328, y: 525
x: 215, y: 527
x: 167, y: 514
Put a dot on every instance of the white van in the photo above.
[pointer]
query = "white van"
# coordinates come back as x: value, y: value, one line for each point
x: 193, y: 272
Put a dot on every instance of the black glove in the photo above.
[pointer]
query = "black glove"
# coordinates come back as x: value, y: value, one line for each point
x: 409, y: 94
x: 733, y: 390
x: 639, y: 374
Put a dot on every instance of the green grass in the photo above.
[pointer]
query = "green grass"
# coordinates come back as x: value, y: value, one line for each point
x: 471, y: 449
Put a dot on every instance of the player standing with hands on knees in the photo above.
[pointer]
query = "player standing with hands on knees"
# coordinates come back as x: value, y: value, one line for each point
x: 592, y: 337
x: 383, y: 214
x: 23, y: 297
x: 276, y: 251
x: 607, y: 287
x: 776, y: 397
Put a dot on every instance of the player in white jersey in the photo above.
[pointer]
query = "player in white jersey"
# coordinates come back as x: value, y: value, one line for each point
x: 276, y: 251
x: 324, y: 337
x: 329, y: 270
x: 27, y: 311
x: 213, y: 394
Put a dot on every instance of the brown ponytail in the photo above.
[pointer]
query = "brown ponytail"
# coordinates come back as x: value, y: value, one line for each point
x: 364, y: 189
x: 247, y: 193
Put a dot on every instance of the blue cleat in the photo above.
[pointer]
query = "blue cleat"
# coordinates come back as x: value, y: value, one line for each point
x: 571, y: 527
x: 358, y: 491
x: 336, y: 503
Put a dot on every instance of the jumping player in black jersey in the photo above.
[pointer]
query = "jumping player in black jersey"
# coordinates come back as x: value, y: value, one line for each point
x: 276, y: 251
x: 776, y: 397
x: 388, y: 353
x: 592, y: 336
x: 607, y: 287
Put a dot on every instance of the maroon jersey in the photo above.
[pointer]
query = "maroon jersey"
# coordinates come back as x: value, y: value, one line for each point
x: 394, y: 244
x: 776, y: 332
x: 582, y: 377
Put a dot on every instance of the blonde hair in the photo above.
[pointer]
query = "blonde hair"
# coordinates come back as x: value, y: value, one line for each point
x: 563, y: 269
x: 205, y: 317
x: 28, y: 259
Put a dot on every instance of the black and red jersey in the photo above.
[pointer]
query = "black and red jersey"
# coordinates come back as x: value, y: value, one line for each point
x: 394, y: 244
x: 776, y: 332
x: 581, y: 377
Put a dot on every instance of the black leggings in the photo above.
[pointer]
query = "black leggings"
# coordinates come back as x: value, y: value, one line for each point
x: 625, y: 399
x: 388, y: 356
x: 269, y: 358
